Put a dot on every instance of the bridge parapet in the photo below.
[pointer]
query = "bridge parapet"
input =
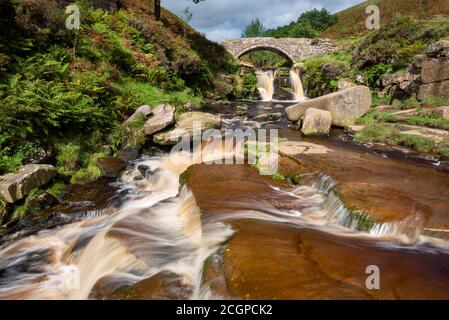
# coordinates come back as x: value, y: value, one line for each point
x: 293, y: 49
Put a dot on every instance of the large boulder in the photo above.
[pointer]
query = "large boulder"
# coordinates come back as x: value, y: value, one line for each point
x: 141, y: 113
x: 435, y: 70
x: 435, y: 89
x: 345, y: 106
x: 185, y: 126
x: 316, y: 122
x: 343, y: 84
x: 163, y: 116
x: 16, y: 186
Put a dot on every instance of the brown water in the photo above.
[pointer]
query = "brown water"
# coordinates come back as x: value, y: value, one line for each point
x: 232, y: 233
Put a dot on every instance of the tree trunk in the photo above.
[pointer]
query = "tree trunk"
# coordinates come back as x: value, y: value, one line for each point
x: 157, y: 9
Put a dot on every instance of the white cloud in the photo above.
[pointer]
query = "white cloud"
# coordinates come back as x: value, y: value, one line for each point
x: 221, y: 19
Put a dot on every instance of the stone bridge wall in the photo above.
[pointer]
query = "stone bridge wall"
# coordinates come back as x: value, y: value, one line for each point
x: 293, y: 49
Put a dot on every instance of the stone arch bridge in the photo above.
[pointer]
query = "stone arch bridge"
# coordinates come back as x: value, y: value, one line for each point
x: 292, y: 49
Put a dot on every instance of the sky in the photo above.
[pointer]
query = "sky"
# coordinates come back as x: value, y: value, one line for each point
x: 225, y: 19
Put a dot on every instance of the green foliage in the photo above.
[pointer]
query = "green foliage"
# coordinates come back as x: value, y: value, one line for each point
x: 429, y: 121
x: 391, y: 136
x: 319, y: 19
x: 399, y: 41
x: 68, y: 158
x: 254, y: 29
x: 315, y: 80
x: 445, y: 151
x: 279, y: 177
x: 309, y: 25
x: 374, y: 73
x: 75, y: 89
x: 248, y: 86
x: 56, y: 190
x: 85, y: 176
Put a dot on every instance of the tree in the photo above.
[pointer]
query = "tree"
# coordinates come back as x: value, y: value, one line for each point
x: 254, y: 29
x: 320, y: 20
x: 157, y: 8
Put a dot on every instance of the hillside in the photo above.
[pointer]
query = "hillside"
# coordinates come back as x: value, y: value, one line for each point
x: 352, y: 20
x: 64, y: 95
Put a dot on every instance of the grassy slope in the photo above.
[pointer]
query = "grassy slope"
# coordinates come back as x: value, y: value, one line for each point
x: 61, y: 99
x: 352, y: 20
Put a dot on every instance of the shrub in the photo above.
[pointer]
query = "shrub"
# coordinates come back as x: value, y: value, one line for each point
x: 68, y: 158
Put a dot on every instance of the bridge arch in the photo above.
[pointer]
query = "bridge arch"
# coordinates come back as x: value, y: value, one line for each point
x: 292, y: 49
x: 254, y: 48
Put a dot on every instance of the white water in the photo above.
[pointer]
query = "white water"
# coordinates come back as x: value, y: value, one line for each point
x: 159, y: 228
x: 298, y: 90
x: 265, y: 84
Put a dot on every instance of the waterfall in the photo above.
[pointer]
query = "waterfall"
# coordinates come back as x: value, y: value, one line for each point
x: 298, y: 91
x: 265, y: 84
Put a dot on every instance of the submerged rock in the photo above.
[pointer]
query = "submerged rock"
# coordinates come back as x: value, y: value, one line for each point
x: 110, y: 166
x: 16, y: 186
x: 162, y: 286
x: 268, y: 117
x: 185, y: 125
x: 316, y: 122
x: 345, y: 106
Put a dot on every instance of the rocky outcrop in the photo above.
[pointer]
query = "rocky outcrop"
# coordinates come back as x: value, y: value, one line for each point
x: 185, y: 127
x: 330, y: 70
x: 316, y: 122
x: 439, y: 49
x: 163, y: 116
x: 400, y: 85
x: 345, y: 106
x: 16, y: 186
x: 435, y: 70
x: 436, y: 89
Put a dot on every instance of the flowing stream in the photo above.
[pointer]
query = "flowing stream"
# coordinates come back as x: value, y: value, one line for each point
x: 303, y: 237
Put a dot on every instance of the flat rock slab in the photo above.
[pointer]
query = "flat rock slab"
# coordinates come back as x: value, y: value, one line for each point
x: 345, y: 106
x: 15, y: 186
x: 292, y: 148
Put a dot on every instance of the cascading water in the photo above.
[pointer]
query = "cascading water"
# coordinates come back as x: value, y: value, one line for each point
x: 298, y: 90
x: 265, y: 84
x: 160, y: 228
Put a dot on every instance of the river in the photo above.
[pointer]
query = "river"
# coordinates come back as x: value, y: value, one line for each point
x: 200, y: 231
